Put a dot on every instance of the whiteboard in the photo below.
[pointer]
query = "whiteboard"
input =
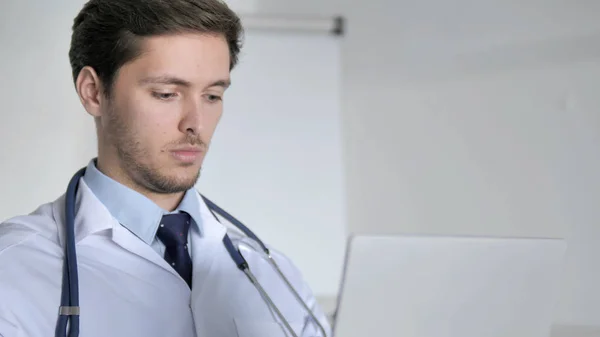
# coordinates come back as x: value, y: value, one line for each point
x: 275, y: 161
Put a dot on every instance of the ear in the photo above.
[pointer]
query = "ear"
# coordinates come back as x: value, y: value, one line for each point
x: 89, y: 89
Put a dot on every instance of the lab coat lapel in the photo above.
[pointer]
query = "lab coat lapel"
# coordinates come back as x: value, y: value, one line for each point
x: 207, y: 248
x: 92, y: 217
x: 127, y: 240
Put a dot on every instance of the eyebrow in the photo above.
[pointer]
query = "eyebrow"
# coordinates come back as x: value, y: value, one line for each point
x: 221, y: 83
x: 181, y: 82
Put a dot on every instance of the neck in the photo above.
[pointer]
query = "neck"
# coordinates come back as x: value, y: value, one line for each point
x: 113, y: 169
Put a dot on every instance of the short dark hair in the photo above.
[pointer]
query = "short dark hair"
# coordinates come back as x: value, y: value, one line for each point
x: 106, y: 33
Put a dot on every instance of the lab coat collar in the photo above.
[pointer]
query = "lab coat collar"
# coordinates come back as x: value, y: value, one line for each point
x: 90, y: 214
x: 212, y: 228
x: 92, y: 217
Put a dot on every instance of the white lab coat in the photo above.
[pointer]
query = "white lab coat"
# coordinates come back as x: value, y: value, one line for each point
x: 126, y: 289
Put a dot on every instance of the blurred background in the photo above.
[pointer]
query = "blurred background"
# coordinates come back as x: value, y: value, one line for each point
x: 435, y: 117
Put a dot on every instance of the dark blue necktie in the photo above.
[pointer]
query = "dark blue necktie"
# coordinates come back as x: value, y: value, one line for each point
x: 173, y: 232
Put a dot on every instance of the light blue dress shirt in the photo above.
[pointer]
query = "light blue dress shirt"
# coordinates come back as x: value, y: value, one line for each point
x: 135, y: 211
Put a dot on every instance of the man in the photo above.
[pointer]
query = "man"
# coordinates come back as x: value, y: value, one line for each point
x: 150, y: 254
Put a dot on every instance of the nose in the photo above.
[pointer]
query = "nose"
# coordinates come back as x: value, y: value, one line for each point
x: 193, y: 118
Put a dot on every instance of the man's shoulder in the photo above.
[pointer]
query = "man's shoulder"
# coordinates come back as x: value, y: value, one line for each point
x: 29, y: 252
x: 22, y: 229
x: 30, y: 267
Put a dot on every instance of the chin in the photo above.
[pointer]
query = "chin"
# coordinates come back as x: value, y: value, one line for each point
x: 188, y: 179
x: 174, y: 184
x: 173, y: 180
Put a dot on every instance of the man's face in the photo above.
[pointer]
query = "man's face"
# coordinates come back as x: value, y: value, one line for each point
x: 164, y: 109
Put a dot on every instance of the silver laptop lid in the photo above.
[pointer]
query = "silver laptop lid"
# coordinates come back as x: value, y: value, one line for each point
x: 434, y: 286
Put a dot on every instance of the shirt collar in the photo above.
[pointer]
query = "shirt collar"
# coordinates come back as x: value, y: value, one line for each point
x: 132, y: 209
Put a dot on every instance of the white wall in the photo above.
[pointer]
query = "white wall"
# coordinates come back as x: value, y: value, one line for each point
x: 479, y: 118
x: 39, y: 116
x: 475, y: 117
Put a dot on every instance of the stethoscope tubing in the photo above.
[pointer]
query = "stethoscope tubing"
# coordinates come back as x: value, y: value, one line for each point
x: 237, y: 256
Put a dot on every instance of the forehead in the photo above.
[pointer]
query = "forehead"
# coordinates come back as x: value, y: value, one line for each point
x: 196, y: 58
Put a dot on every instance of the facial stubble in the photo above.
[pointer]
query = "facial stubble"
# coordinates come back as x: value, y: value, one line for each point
x: 131, y: 154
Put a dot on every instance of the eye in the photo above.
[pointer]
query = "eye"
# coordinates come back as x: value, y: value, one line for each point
x: 213, y: 98
x: 163, y: 95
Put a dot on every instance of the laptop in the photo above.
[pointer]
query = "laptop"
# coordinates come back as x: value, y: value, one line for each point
x: 441, y: 286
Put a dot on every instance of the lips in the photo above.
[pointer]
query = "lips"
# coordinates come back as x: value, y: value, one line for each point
x: 191, y: 150
x: 187, y: 154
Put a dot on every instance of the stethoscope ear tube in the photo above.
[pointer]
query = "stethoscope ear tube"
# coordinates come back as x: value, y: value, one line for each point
x: 69, y: 305
x: 270, y: 302
x: 241, y: 263
x: 295, y: 293
x: 237, y: 223
x: 236, y: 256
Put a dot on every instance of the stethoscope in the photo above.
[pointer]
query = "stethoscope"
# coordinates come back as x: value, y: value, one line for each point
x: 69, y: 303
